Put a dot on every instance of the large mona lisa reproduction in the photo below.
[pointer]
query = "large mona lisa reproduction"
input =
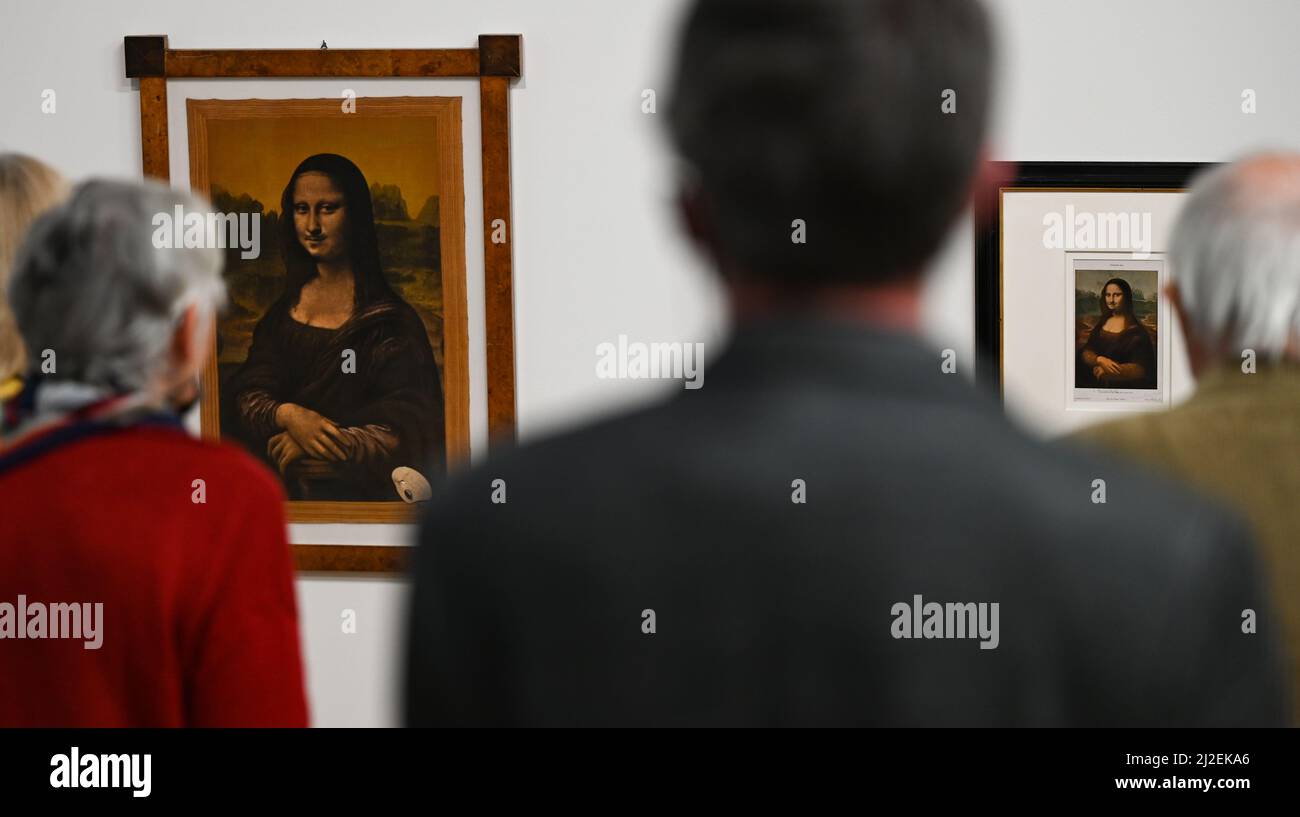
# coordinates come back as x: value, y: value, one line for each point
x: 340, y: 386
x: 341, y: 358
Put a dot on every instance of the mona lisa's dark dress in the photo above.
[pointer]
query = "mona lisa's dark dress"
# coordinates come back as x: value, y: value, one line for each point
x: 390, y: 407
x: 1133, y: 345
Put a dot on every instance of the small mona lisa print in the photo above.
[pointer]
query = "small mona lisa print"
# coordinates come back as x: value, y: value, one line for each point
x: 340, y: 359
x: 1116, y: 332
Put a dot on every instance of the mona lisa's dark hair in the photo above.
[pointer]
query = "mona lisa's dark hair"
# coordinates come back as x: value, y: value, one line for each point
x: 1126, y: 307
x: 362, y: 240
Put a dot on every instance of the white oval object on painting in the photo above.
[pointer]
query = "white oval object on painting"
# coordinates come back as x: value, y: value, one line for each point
x: 411, y: 485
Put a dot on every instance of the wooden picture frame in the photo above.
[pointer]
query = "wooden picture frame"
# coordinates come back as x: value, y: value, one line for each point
x: 494, y: 62
x: 1046, y: 177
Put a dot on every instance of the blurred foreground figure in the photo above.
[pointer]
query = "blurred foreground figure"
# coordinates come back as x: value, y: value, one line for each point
x: 1236, y: 266
x: 832, y: 530
x: 145, y: 579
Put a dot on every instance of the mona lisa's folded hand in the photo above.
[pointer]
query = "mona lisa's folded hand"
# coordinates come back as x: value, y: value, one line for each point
x: 284, y: 450
x: 1108, y: 366
x: 316, y: 435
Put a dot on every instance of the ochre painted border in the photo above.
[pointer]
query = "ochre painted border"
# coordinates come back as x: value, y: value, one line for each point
x: 445, y: 111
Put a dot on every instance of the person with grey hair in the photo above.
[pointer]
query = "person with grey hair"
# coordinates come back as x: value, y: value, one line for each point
x: 823, y: 533
x: 1235, y: 269
x: 165, y: 555
x: 137, y: 329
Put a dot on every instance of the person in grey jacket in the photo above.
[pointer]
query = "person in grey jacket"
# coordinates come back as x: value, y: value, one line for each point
x: 834, y: 530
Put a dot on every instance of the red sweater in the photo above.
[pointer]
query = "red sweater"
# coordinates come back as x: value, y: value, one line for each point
x: 199, y: 621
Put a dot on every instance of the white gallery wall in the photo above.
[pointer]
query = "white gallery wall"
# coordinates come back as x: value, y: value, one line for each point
x: 596, y: 251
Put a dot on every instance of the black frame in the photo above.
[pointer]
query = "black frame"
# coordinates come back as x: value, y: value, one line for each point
x: 988, y: 231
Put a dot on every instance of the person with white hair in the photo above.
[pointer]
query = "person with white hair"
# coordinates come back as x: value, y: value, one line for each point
x: 1235, y: 269
x: 145, y: 576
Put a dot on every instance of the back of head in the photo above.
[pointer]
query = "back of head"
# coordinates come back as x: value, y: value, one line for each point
x: 27, y: 187
x: 834, y: 112
x: 90, y: 285
x: 1235, y: 254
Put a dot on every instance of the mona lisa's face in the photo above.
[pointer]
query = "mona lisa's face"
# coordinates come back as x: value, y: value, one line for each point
x: 320, y: 217
x: 1114, y: 298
